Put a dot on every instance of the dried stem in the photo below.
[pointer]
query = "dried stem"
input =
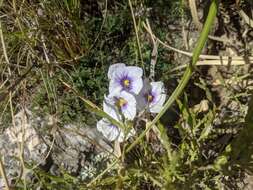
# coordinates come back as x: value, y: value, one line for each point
x: 3, y: 174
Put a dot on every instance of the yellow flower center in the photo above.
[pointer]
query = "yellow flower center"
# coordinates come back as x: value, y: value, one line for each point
x: 121, y: 102
x: 126, y: 82
x: 150, y: 98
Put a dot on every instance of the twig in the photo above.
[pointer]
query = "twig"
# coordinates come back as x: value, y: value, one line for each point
x: 22, y: 144
x: 199, y: 25
x: 136, y: 32
x: 246, y: 18
x: 213, y: 62
x: 13, y: 86
x: 189, y: 54
x: 21, y: 148
x: 153, y: 61
x: 4, y: 49
x: 194, y: 13
x: 154, y: 55
x: 3, y: 174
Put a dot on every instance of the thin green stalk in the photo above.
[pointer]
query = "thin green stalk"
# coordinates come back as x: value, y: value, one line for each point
x: 186, y: 77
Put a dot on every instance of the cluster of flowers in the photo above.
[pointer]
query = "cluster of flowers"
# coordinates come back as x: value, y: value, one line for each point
x: 129, y: 94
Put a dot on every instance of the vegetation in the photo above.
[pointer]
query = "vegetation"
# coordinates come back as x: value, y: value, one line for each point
x: 55, y: 57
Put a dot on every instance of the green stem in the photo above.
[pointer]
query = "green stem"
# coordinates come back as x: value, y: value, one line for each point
x: 186, y: 77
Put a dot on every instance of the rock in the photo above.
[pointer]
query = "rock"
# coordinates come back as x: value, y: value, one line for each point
x: 76, y: 148
x: 72, y: 143
x: 14, y: 137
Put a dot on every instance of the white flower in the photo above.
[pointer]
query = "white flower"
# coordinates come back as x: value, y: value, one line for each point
x: 109, y: 131
x: 119, y: 104
x: 152, y: 96
x: 112, y: 132
x: 125, y: 78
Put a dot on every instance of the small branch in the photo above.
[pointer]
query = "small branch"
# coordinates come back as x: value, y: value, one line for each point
x: 217, y: 62
x: 199, y: 25
x: 246, y: 18
x: 189, y: 54
x: 13, y: 86
x: 3, y: 174
x: 136, y: 32
x: 194, y: 13
x: 4, y: 49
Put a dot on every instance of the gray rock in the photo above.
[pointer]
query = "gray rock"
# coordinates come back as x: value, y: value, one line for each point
x: 78, y: 149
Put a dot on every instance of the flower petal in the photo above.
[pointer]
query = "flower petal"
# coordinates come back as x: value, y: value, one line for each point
x: 117, y: 75
x: 114, y: 68
x: 129, y: 111
x: 128, y: 78
x: 109, y: 131
x: 137, y: 86
x: 114, y: 87
x: 157, y: 106
x: 141, y: 97
x: 109, y: 108
x: 134, y: 71
x: 157, y: 87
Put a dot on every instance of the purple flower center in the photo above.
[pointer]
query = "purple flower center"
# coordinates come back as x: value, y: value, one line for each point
x: 150, y: 97
x: 113, y: 126
x: 126, y: 82
x: 121, y: 103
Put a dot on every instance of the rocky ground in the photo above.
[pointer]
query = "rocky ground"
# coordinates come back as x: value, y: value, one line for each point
x: 37, y: 141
